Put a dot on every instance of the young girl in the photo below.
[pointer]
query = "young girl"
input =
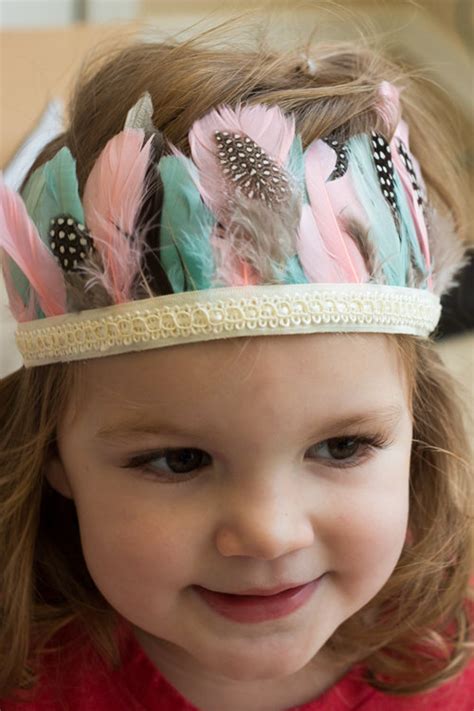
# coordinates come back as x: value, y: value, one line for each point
x: 234, y: 473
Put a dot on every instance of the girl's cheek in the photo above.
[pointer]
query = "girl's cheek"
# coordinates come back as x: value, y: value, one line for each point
x: 365, y: 544
x: 136, y: 562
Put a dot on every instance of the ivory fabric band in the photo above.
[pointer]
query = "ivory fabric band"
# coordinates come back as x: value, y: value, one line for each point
x: 227, y: 312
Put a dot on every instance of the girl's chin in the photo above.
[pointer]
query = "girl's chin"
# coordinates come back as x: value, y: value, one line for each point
x: 253, y: 660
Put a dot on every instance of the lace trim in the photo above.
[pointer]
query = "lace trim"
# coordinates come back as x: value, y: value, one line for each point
x: 225, y: 313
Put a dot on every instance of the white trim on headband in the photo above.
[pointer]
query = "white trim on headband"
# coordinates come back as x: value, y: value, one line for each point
x: 228, y: 312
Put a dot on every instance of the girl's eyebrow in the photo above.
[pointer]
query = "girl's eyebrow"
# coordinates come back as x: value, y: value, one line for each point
x: 388, y: 416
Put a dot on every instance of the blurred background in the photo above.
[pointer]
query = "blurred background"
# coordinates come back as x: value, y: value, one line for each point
x: 42, y: 44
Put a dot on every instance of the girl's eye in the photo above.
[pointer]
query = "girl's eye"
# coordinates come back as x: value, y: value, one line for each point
x: 179, y: 461
x: 185, y: 462
x: 344, y: 449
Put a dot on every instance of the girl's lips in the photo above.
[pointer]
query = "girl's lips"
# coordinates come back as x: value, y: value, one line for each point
x: 258, y: 608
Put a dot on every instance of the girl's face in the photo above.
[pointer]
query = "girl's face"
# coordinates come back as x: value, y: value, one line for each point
x: 255, y: 479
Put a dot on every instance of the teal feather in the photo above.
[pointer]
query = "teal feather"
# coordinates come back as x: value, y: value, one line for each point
x: 21, y: 284
x: 294, y: 273
x: 383, y: 233
x: 186, y: 225
x: 50, y: 190
x: 295, y: 166
x: 30, y: 194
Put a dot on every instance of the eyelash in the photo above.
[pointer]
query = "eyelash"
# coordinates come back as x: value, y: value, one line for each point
x: 370, y: 442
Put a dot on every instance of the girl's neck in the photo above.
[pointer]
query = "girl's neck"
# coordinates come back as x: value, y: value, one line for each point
x: 209, y: 692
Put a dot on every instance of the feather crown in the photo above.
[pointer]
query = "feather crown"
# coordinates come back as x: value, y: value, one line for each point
x: 250, y: 214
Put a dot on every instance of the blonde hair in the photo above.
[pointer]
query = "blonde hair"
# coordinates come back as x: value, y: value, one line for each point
x: 45, y: 584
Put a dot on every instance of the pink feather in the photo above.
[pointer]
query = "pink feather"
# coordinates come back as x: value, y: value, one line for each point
x: 19, y: 310
x: 328, y: 200
x: 266, y: 125
x: 113, y: 195
x: 388, y: 106
x: 20, y: 239
x: 319, y: 266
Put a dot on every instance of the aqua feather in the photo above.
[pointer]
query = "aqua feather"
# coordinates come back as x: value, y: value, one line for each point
x: 296, y: 168
x: 33, y: 191
x: 51, y: 190
x: 294, y: 272
x: 21, y: 285
x: 186, y: 227
x: 383, y: 233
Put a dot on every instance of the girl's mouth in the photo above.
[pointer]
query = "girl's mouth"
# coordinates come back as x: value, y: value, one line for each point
x: 258, y: 608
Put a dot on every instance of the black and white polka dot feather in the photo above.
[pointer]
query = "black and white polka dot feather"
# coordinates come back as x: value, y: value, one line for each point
x: 342, y: 159
x: 385, y: 172
x: 409, y: 166
x: 249, y: 168
x: 70, y: 242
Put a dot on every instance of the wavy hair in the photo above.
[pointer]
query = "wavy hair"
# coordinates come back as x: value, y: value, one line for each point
x: 45, y: 584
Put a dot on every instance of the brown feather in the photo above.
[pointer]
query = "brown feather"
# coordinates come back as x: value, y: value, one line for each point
x: 264, y: 236
x: 81, y: 297
x: 448, y: 252
x: 369, y: 254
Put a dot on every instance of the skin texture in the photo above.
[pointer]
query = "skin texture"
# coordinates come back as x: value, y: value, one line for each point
x: 271, y: 503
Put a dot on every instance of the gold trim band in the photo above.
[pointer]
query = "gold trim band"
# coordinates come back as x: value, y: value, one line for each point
x: 228, y: 312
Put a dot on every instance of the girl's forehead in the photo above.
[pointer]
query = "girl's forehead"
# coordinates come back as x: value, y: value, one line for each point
x: 229, y: 370
x: 302, y: 355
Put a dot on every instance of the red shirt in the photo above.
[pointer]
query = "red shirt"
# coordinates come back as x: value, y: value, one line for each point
x: 137, y: 685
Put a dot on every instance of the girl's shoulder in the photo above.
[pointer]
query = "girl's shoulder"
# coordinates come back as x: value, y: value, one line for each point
x: 78, y: 679
x: 352, y: 692
x: 84, y: 683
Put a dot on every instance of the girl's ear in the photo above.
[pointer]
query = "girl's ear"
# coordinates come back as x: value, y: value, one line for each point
x: 56, y: 475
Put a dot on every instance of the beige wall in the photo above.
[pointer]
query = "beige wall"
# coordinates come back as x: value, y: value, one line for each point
x: 35, y: 66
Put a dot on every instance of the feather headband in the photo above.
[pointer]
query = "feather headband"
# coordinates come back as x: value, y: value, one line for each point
x: 250, y: 235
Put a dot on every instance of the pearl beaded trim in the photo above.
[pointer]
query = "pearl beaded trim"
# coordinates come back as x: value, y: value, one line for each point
x: 228, y: 312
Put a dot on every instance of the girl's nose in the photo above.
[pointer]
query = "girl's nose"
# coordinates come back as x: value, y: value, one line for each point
x: 266, y: 526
